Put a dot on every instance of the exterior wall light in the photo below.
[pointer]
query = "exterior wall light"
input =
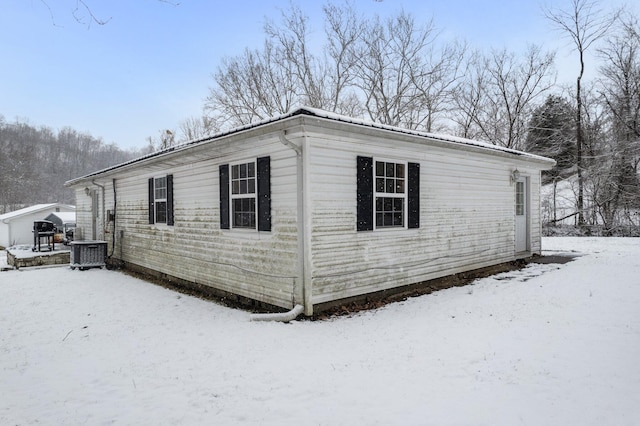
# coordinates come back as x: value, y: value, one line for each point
x: 515, y: 175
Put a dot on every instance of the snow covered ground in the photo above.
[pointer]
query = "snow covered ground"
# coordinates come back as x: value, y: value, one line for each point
x: 547, y: 345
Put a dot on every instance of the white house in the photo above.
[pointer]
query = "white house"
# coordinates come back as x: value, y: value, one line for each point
x: 16, y: 227
x: 311, y: 208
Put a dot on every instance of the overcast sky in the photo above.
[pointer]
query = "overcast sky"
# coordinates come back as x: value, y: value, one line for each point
x: 149, y: 67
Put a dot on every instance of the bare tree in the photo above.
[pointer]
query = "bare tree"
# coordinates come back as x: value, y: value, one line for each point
x: 500, y: 90
x: 620, y: 92
x: 166, y: 139
x: 83, y: 13
x: 251, y: 87
x: 436, y: 83
x: 391, y: 57
x: 469, y: 97
x: 394, y: 72
x: 41, y: 160
x: 197, y: 127
x: 517, y: 85
x: 584, y: 24
x: 620, y: 83
x: 343, y: 29
x: 290, y: 40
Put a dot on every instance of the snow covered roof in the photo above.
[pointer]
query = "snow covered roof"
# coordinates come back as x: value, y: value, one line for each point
x: 65, y: 217
x: 314, y: 112
x: 33, y: 209
x: 437, y: 136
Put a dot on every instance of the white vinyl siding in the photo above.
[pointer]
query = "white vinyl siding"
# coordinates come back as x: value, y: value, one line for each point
x: 467, y: 217
x: 261, y: 266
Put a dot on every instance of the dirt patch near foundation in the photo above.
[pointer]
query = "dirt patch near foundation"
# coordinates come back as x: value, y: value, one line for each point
x: 380, y: 299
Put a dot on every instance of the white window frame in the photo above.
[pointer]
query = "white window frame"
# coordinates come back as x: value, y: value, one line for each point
x: 395, y: 195
x: 157, y: 199
x: 248, y: 195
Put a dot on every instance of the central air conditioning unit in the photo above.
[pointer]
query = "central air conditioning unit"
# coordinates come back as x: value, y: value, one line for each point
x: 88, y: 254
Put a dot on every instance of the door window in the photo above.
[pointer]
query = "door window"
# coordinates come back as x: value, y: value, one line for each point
x: 519, y: 198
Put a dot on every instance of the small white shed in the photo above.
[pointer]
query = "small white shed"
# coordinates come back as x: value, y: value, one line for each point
x: 311, y: 208
x: 16, y: 227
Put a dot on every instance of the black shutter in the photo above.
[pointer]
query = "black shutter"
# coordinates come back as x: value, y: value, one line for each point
x: 224, y: 196
x: 264, y: 193
x: 365, y: 194
x: 152, y: 216
x: 170, y: 200
x: 413, y: 216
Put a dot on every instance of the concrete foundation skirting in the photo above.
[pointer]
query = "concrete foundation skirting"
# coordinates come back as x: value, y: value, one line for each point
x: 57, y: 258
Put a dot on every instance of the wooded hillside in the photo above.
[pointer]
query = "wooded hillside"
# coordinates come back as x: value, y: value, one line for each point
x: 35, y: 161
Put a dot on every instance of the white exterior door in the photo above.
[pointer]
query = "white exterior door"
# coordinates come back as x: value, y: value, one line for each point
x: 522, y: 215
x: 94, y: 215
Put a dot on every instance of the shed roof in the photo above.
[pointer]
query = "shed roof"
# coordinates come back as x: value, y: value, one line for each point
x: 314, y: 112
x: 64, y: 217
x: 7, y: 217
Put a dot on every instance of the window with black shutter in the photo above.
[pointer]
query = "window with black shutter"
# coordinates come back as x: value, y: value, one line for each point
x: 245, y: 195
x: 161, y: 200
x: 388, y: 194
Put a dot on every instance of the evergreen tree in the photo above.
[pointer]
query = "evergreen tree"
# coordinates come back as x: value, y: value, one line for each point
x: 551, y: 133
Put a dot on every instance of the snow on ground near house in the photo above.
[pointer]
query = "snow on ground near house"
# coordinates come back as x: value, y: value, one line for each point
x: 550, y: 344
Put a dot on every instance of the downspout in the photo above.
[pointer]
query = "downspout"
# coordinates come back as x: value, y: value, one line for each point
x: 282, y: 317
x: 115, y: 205
x: 305, y: 306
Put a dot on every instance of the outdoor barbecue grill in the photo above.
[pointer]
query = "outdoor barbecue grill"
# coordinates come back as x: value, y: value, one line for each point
x: 43, y: 229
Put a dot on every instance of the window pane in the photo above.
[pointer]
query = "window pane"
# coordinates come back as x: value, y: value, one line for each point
x: 389, y: 186
x: 251, y: 186
x: 400, y: 170
x: 236, y: 187
x: 251, y: 169
x: 379, y: 184
x: 161, y: 182
x: 520, y: 198
x: 243, y: 187
x: 237, y: 219
x: 389, y: 212
x: 388, y: 219
x: 397, y: 219
x: 235, y: 172
x: 400, y: 186
x: 379, y: 168
x: 160, y: 185
x: 161, y: 212
x: 243, y: 214
x: 379, y: 220
x: 243, y: 171
x: 388, y: 204
x: 390, y: 170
